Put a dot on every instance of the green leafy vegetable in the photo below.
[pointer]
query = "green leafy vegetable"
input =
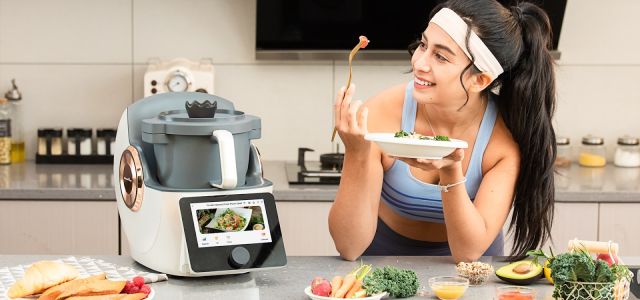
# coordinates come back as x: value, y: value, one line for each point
x: 398, y: 283
x: 442, y: 138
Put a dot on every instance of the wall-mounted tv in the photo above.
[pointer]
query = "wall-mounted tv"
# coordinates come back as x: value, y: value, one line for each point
x: 327, y: 29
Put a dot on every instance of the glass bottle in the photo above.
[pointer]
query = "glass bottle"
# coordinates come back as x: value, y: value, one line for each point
x: 563, y: 156
x: 79, y: 141
x: 627, y: 152
x: 54, y: 138
x: 17, y: 139
x: 592, y: 152
x: 5, y: 132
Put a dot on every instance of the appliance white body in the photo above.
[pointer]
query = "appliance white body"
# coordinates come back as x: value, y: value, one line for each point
x: 155, y: 231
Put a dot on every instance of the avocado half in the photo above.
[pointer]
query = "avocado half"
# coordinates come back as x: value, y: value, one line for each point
x: 522, y: 272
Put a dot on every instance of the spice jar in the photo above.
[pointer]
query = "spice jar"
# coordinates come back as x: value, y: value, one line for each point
x: 592, y: 152
x: 50, y: 141
x: 563, y: 156
x: 106, y: 141
x: 79, y: 141
x: 627, y: 152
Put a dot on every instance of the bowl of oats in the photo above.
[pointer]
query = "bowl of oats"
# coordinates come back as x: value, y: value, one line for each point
x: 477, y: 272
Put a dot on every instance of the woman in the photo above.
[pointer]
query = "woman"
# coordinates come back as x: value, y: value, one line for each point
x: 455, y: 206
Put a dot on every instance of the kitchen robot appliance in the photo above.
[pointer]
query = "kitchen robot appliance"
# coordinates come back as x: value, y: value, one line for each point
x: 189, y: 187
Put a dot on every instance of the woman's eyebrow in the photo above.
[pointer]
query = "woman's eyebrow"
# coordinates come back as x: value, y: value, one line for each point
x: 440, y: 46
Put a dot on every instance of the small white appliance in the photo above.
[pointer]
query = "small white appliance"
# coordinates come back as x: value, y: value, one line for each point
x: 178, y: 75
x: 189, y: 187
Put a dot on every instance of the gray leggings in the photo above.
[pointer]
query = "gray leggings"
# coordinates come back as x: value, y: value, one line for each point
x: 388, y: 242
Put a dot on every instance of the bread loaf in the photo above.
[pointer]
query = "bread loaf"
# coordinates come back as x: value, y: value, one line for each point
x: 137, y: 296
x: 97, y: 288
x: 53, y: 292
x: 41, y: 276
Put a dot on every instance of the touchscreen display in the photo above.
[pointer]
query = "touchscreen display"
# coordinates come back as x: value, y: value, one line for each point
x: 230, y: 223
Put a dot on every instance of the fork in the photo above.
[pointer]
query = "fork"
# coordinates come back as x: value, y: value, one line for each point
x: 363, y: 43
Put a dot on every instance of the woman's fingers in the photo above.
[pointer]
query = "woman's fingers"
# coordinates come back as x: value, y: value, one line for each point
x: 337, y: 107
x: 362, y: 119
x: 346, y: 103
x: 351, y: 115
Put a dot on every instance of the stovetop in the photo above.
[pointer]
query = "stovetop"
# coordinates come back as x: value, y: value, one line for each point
x: 311, y: 173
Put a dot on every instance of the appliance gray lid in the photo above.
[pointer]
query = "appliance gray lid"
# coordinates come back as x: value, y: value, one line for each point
x: 177, y: 122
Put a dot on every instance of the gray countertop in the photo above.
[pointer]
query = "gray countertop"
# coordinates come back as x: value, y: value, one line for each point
x: 289, y: 282
x: 30, y: 181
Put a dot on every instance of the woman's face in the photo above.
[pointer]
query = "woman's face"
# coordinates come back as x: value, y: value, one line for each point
x: 437, y: 65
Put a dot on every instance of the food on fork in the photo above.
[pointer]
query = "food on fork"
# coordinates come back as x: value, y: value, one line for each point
x: 40, y: 276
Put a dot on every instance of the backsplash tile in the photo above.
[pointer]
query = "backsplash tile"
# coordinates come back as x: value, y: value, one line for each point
x: 600, y: 33
x: 223, y: 30
x: 68, y: 96
x: 65, y: 31
x: 598, y: 100
x: 293, y: 101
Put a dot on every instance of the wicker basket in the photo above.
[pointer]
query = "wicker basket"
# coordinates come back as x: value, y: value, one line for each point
x: 595, y: 291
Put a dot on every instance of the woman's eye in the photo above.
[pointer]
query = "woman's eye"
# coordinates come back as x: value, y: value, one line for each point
x: 422, y: 45
x: 440, y: 57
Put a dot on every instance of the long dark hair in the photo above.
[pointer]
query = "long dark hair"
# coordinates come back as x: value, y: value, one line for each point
x: 520, y: 38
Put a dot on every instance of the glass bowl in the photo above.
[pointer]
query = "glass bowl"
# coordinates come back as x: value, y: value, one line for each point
x: 448, y: 287
x: 476, y: 272
x: 515, y: 293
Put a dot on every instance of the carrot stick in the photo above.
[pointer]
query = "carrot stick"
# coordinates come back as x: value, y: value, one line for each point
x: 356, y: 286
x: 348, y: 282
x: 336, y: 283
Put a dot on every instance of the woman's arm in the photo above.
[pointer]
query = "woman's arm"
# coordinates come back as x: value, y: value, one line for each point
x: 354, y: 215
x: 473, y: 226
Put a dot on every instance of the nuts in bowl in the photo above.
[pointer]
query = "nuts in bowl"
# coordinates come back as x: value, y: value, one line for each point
x: 477, y: 272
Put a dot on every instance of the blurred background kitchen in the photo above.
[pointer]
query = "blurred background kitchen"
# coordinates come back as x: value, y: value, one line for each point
x: 79, y: 64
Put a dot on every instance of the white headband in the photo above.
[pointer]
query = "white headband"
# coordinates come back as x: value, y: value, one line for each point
x: 450, y: 22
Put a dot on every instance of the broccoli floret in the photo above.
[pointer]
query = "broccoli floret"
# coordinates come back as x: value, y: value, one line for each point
x: 398, y: 283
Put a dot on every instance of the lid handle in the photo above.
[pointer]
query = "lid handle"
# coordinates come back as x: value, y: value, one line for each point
x: 201, y: 110
x: 227, y: 160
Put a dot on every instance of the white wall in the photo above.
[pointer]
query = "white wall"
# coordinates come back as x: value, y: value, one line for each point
x: 79, y: 63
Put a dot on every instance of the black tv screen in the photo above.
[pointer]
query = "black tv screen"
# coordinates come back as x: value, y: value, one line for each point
x: 337, y: 24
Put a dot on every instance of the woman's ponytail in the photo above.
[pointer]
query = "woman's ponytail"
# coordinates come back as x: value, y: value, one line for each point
x: 527, y: 104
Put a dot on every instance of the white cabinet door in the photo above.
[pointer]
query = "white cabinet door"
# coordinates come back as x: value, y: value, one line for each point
x: 305, y: 228
x: 620, y: 222
x: 571, y: 220
x: 58, y: 227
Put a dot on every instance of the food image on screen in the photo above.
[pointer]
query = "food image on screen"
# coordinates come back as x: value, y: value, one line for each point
x: 230, y: 219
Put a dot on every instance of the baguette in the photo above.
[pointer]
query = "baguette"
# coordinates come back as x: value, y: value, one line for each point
x: 53, y: 292
x: 41, y: 276
x: 137, y: 296
x: 97, y: 288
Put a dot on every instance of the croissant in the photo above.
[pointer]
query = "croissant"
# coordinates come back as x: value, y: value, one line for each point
x: 53, y: 292
x: 41, y: 276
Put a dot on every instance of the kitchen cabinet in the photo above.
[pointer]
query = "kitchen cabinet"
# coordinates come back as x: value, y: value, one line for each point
x: 305, y: 228
x: 58, y: 227
x: 571, y: 220
x: 619, y: 222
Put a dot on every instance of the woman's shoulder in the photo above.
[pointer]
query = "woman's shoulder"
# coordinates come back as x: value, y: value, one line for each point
x: 385, y: 109
x: 501, y: 147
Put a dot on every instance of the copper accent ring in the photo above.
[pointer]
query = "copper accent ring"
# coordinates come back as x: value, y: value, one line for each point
x: 131, y: 187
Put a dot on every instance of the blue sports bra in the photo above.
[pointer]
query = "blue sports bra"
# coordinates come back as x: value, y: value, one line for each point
x: 417, y: 200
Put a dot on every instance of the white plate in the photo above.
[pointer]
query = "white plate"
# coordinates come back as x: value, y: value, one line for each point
x: 151, y: 295
x: 414, y: 148
x: 314, y: 297
x: 244, y: 212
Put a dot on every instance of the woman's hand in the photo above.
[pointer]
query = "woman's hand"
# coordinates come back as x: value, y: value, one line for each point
x: 351, y: 121
x: 450, y: 161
